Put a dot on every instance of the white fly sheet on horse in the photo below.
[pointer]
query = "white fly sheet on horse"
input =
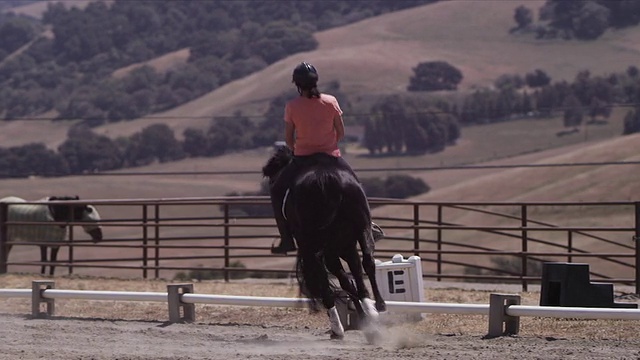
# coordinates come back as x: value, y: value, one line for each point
x: 45, y: 211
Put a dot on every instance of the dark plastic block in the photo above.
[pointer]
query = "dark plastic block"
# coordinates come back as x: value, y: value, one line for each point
x: 568, y: 284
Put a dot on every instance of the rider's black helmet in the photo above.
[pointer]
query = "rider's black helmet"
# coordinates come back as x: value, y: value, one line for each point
x: 305, y: 76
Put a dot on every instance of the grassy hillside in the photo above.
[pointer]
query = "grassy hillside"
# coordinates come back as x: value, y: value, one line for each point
x: 375, y: 56
x: 585, y: 183
x: 520, y: 142
x: 372, y: 56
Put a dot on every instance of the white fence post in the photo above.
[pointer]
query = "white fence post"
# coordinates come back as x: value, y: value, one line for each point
x: 37, y: 288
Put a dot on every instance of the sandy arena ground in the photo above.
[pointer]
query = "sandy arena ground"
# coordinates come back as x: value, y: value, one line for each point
x: 124, y: 330
x: 75, y: 338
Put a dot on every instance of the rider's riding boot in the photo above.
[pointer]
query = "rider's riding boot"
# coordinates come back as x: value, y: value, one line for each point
x: 286, y: 245
x: 287, y: 242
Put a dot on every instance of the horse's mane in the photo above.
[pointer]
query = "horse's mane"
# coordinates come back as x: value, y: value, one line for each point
x: 61, y: 212
x: 277, y: 162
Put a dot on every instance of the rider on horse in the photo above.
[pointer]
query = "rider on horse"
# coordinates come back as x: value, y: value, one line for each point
x: 313, y: 128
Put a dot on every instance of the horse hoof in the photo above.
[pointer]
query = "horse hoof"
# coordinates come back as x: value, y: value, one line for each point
x: 337, y: 330
x: 369, y: 308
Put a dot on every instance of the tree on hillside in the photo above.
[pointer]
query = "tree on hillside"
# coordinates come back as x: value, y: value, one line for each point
x: 154, y: 142
x: 591, y: 21
x: 623, y: 12
x: 632, y: 122
x: 31, y: 159
x: 404, y: 186
x: 586, y: 19
x: 226, y: 40
x: 373, y: 139
x: 523, y: 17
x: 434, y: 76
x: 408, y: 125
x: 598, y: 108
x: 280, y: 38
x: 196, y: 142
x: 86, y: 151
x: 537, y: 78
x: 15, y: 32
x: 508, y: 81
x: 573, y: 112
x: 395, y: 186
x: 234, y: 133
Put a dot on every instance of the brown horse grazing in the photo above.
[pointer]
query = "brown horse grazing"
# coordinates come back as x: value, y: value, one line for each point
x: 329, y: 216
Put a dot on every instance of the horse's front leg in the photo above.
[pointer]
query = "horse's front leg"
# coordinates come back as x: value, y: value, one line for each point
x: 54, y: 258
x: 365, y: 305
x: 43, y: 259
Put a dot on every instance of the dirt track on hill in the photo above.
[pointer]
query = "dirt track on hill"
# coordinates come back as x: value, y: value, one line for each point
x: 75, y: 338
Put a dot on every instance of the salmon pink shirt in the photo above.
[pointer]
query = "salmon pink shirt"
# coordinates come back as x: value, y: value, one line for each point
x: 313, y: 122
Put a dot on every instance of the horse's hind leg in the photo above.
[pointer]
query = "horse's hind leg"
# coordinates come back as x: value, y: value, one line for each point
x: 335, y: 267
x: 54, y: 258
x: 316, y: 282
x: 368, y: 263
x: 43, y: 259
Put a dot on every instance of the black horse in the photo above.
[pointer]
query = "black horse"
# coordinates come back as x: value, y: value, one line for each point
x: 329, y: 216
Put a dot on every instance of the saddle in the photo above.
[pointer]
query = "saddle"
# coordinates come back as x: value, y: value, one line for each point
x: 314, y: 159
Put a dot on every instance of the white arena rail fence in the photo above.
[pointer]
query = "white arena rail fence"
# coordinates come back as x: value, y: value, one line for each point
x: 504, y: 310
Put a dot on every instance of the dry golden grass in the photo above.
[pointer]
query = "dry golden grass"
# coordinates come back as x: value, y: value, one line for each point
x: 376, y: 56
x: 161, y: 64
x: 475, y: 325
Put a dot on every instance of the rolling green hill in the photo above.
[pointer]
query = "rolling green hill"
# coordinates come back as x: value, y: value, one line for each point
x: 375, y: 56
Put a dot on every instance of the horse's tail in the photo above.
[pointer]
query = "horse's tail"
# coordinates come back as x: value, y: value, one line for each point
x: 318, y: 199
x: 312, y: 279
